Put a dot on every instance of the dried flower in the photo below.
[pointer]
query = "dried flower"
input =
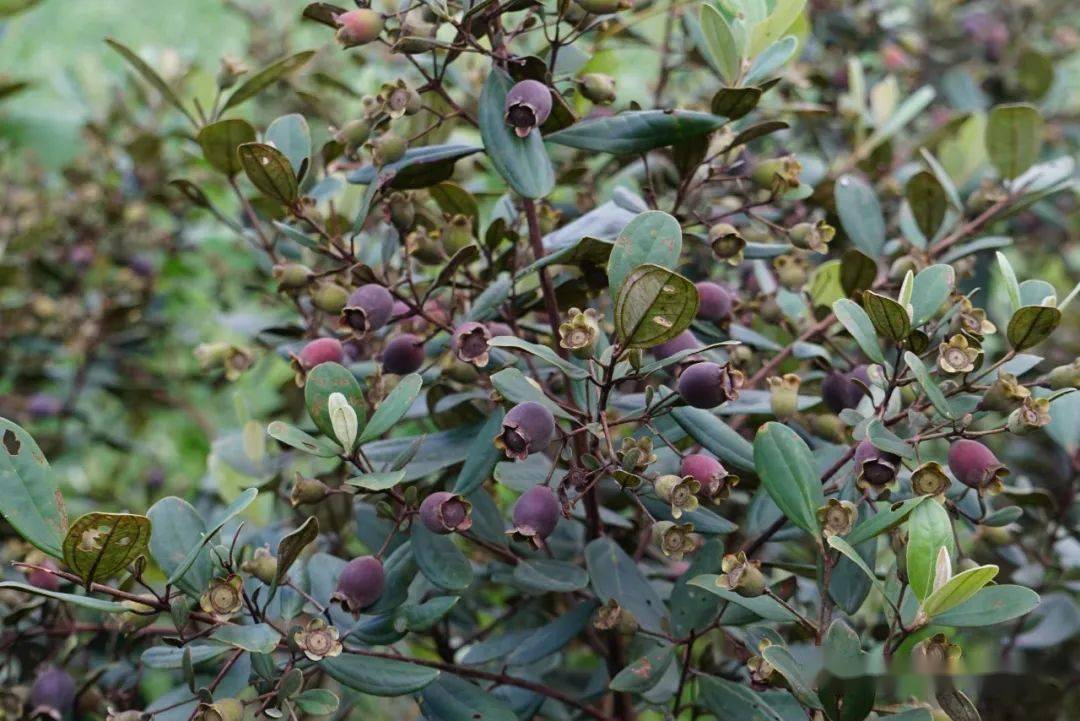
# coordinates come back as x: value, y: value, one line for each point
x: 837, y: 518
x: 812, y: 236
x: 226, y: 709
x: 307, y: 491
x: 224, y: 598
x: 929, y: 479
x: 613, y: 616
x: 580, y: 332
x: 971, y: 321
x: 262, y: 565
x: 727, y: 244
x: 318, y: 640
x: 679, y: 492
x: 1004, y: 394
x: 674, y: 539
x: 935, y: 655
x: 761, y: 671
x: 957, y: 356
x: 1033, y: 413
x: 741, y: 575
x: 784, y: 395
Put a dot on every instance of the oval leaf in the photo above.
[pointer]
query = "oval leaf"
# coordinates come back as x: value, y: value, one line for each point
x: 100, y: 545
x: 860, y: 214
x: 637, y: 131
x: 29, y: 498
x: 653, y: 306
x: 325, y: 379
x: 219, y: 142
x: 1031, y: 325
x: 270, y: 171
x: 378, y: 676
x: 651, y: 237
x: 786, y: 467
x: 929, y: 529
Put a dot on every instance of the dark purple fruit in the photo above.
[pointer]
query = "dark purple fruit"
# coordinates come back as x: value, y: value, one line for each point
x: 974, y: 464
x: 707, y: 471
x: 470, y: 343
x: 839, y: 390
x: 321, y: 350
x: 44, y: 405
x: 536, y: 514
x: 707, y: 385
x: 684, y: 341
x: 528, y: 105
x: 369, y: 308
x: 715, y: 302
x: 873, y: 466
x: 403, y: 355
x: 527, y: 428
x: 361, y: 584
x: 444, y: 512
x: 52, y: 695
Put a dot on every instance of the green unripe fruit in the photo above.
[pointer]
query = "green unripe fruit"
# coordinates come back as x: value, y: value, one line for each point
x: 291, y: 276
x: 598, y: 88
x: 387, y: 148
x: 330, y: 298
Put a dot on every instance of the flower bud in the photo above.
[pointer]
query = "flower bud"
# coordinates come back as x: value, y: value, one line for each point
x: 1033, y: 413
x: 358, y: 27
x: 777, y: 173
x: 403, y: 355
x: 874, y: 468
x: 784, y: 395
x: 837, y: 517
x: 527, y: 428
x: 307, y: 491
x: 389, y: 147
x: 535, y: 515
x: 329, y: 297
x: 360, y: 584
x: 707, y: 385
x: 528, y: 105
x: 976, y: 466
x: 679, y: 491
x: 715, y: 302
x: 812, y: 236
x: 444, y: 512
x: 262, y: 565
x: 291, y: 276
x: 674, y: 539
x: 580, y: 333
x: 715, y: 481
x: 929, y: 479
x: 52, y: 695
x: 741, y: 575
x: 368, y: 308
x: 1066, y: 376
x: 597, y: 88
x: 470, y: 343
x: 726, y: 242
x: 790, y: 271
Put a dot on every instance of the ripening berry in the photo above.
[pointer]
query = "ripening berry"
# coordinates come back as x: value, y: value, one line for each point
x: 329, y: 297
x: 528, y: 105
x: 839, y: 390
x: 527, y: 428
x: 536, y: 514
x: 52, y: 695
x: 291, y: 276
x: 387, y: 148
x: 975, y: 465
x: 715, y: 302
x: 706, y: 470
x: 684, y: 341
x: 874, y: 467
x: 444, y: 512
x: 403, y: 355
x: 358, y: 27
x: 360, y: 584
x: 41, y: 578
x: 598, y: 88
x: 44, y: 405
x: 707, y: 385
x: 368, y: 308
x: 470, y: 343
x: 321, y: 350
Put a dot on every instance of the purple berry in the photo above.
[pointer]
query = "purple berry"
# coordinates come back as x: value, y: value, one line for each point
x: 707, y: 471
x: 707, y: 385
x: 44, y: 405
x: 368, y: 308
x: 536, y: 514
x: 684, y: 341
x: 42, y: 579
x: 974, y: 464
x: 715, y: 302
x: 321, y: 350
x: 444, y: 512
x: 497, y: 328
x: 53, y: 695
x: 403, y: 355
x: 839, y: 390
x: 528, y: 105
x: 361, y: 584
x: 527, y: 428
x: 470, y: 343
x: 873, y: 466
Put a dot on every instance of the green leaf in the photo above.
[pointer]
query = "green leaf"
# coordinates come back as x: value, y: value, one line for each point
x: 234, y: 509
x: 378, y: 676
x: 852, y: 555
x: 929, y: 529
x: 780, y: 658
x: 787, y: 471
x: 177, y: 528
x: 930, y: 388
x: 269, y: 171
x: 731, y: 700
x: 931, y: 289
x: 482, y: 458
x: 857, y: 272
x: 173, y: 658
x: 290, y: 134
x: 734, y: 103
x: 990, y: 606
x: 1002, y: 516
x: 772, y: 59
x: 958, y: 589
x: 764, y: 607
x: 955, y: 703
x: 543, y: 575
x: 99, y: 545
x: 859, y: 326
x: 715, y: 436
x: 94, y: 604
x: 393, y: 408
x: 843, y: 652
x: 540, y: 351
x: 291, y: 545
x: 1031, y: 325
x: 883, y: 521
x: 645, y: 672
x: 516, y: 388
x: 294, y: 437
x: 860, y: 214
x: 615, y: 575
x: 653, y: 306
x: 256, y: 638
x: 149, y: 75
x: 890, y: 319
x: 553, y: 637
x: 908, y: 111
x: 324, y: 380
x: 692, y: 607
x: 651, y: 237
x: 522, y: 162
x: 377, y: 481
x: 720, y: 43
x: 1013, y: 138
x: 422, y: 616
x: 418, y: 168
x: 454, y: 699
x: 637, y: 131
x: 440, y: 560
x: 888, y: 441
x: 1012, y: 287
x: 29, y: 498
x: 219, y: 142
x: 266, y: 77
x: 776, y: 25
x: 317, y: 702
x: 928, y: 202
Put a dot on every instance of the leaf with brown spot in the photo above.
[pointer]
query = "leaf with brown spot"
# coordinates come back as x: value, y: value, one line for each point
x: 100, y: 545
x: 29, y: 498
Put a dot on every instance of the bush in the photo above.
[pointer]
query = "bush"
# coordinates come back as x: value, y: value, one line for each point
x: 532, y: 386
